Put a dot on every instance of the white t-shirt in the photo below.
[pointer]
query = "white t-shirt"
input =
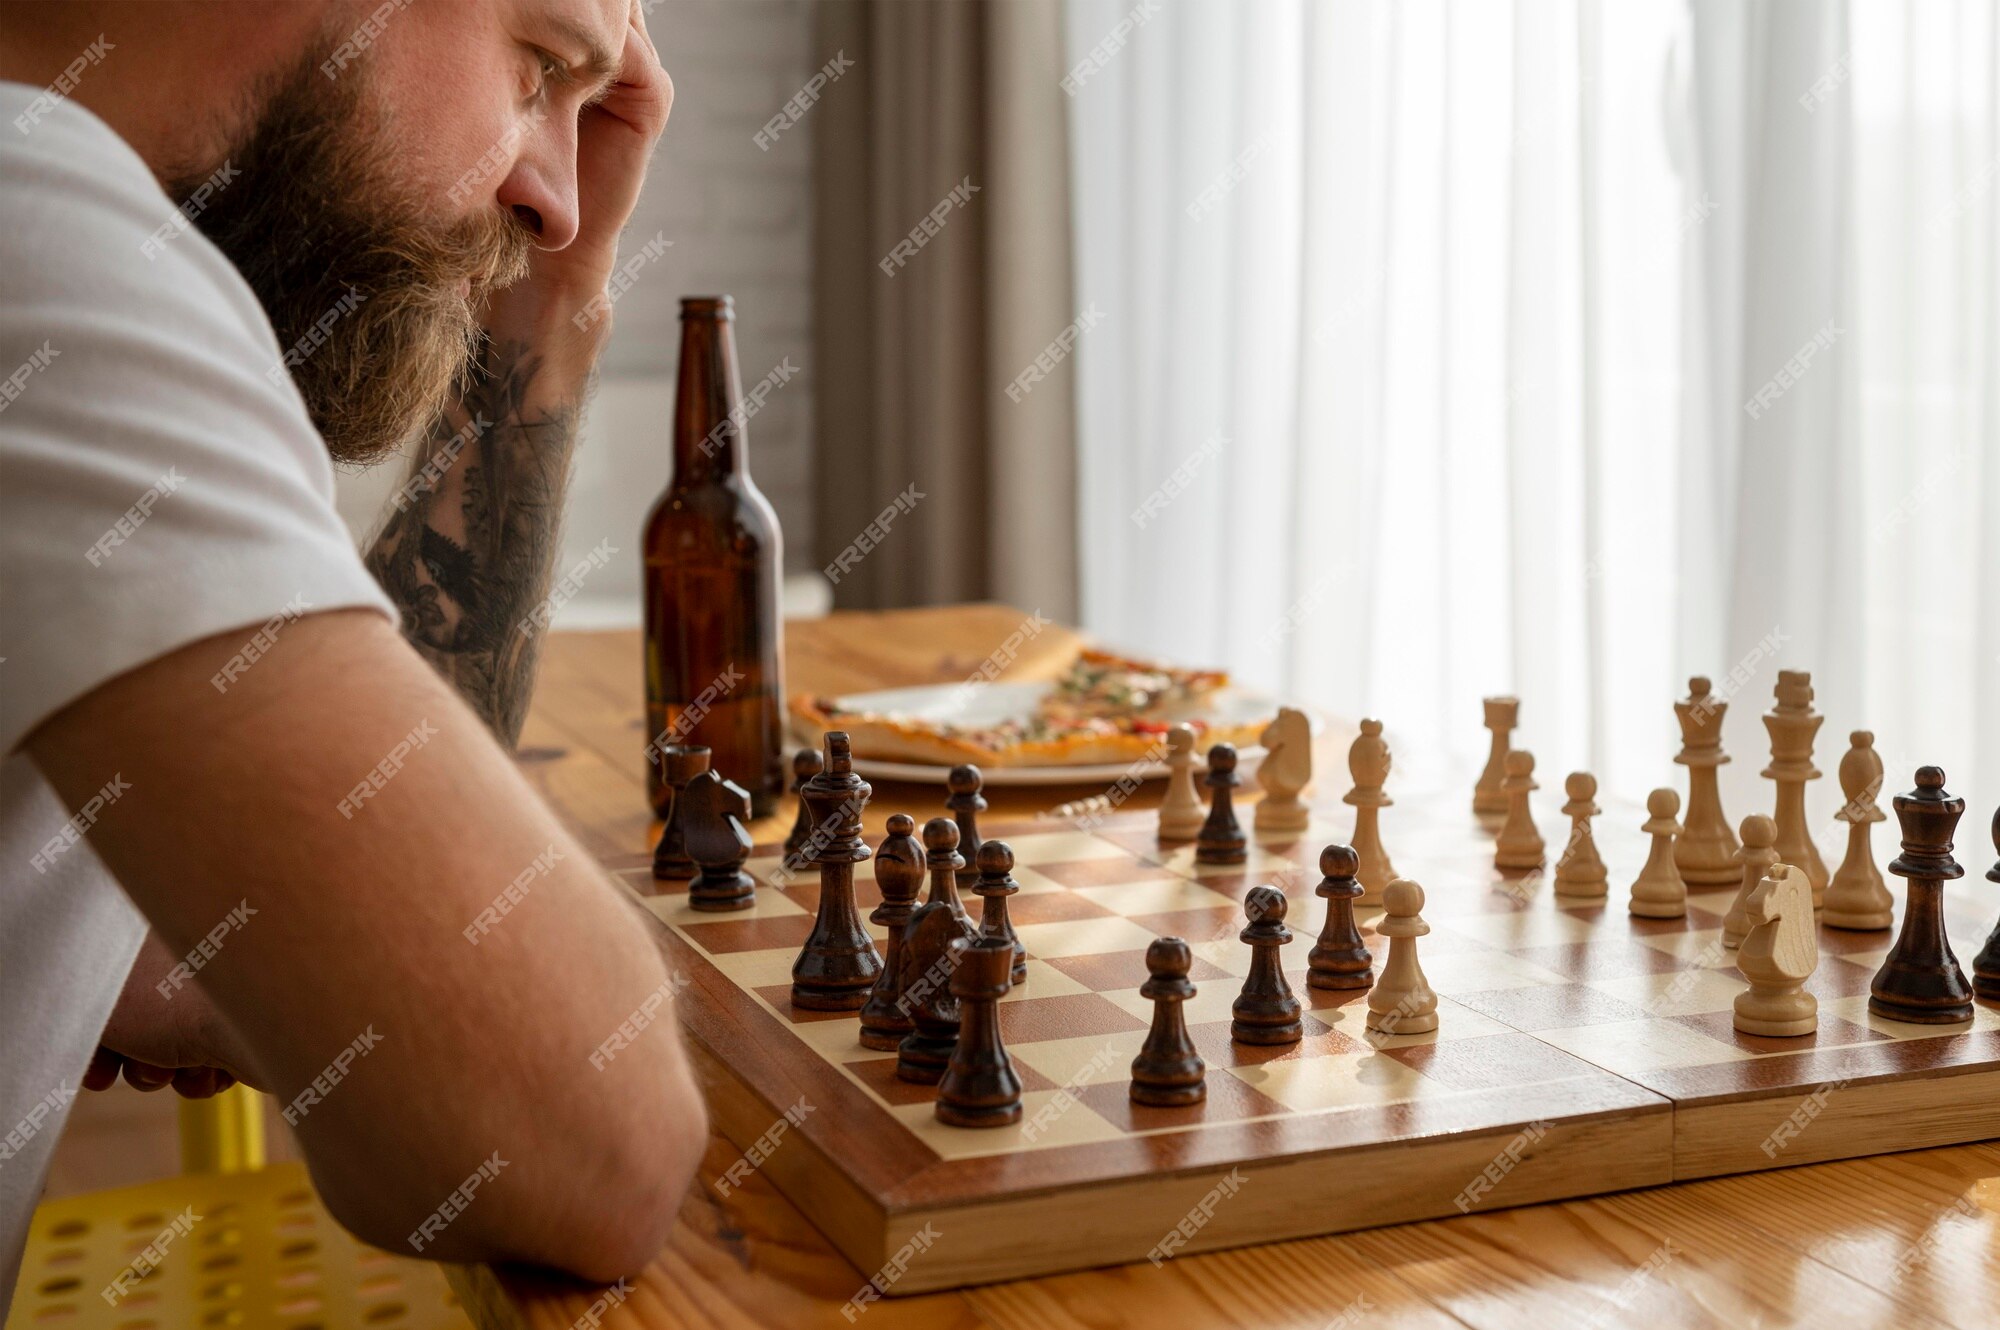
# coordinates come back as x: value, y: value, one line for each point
x: 157, y: 486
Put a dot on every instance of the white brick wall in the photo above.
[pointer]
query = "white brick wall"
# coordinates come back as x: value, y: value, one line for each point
x: 739, y: 218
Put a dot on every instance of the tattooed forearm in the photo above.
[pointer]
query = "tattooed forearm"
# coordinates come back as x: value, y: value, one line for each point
x: 467, y: 548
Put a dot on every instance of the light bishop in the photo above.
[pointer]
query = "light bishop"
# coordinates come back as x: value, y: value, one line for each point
x: 1856, y: 895
x: 1368, y: 762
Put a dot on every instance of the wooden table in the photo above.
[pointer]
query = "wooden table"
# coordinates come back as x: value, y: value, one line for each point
x: 1896, y: 1240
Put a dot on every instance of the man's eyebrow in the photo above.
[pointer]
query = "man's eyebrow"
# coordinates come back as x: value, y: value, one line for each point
x: 599, y: 66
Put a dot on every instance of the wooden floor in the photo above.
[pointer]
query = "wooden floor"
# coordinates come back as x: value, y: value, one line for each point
x: 1895, y: 1240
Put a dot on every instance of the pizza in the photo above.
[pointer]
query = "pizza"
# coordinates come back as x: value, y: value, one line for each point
x: 1105, y: 709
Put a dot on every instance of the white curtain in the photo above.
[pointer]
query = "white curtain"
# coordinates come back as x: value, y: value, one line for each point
x: 1562, y: 347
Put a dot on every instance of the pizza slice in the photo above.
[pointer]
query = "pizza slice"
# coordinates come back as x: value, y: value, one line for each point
x: 1106, y: 709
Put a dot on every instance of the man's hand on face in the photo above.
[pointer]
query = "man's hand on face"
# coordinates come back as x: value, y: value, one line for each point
x: 158, y: 1040
x: 615, y: 139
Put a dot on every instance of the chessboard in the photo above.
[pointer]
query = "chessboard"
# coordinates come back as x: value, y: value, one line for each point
x: 1579, y: 1050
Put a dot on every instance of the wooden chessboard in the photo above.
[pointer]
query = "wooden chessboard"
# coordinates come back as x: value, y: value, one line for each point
x: 1580, y: 1050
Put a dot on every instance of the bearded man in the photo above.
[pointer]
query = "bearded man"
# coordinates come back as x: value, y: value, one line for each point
x: 256, y: 785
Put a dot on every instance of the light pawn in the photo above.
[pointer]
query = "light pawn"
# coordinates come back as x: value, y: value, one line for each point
x: 1753, y: 861
x: 1659, y: 892
x: 1182, y: 811
x: 1402, y: 1001
x: 1519, y: 846
x: 1580, y: 872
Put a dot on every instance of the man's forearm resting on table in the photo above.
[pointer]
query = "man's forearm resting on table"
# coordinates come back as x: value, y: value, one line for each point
x: 359, y: 935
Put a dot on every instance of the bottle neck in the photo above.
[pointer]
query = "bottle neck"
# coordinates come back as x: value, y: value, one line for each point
x: 708, y: 429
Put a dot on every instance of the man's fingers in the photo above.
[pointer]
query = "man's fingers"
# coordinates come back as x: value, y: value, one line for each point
x: 102, y: 1073
x: 643, y: 94
x: 201, y: 1082
x: 145, y: 1077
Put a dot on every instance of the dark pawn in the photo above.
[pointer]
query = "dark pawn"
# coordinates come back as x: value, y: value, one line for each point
x: 980, y: 1088
x: 1338, y: 959
x: 966, y: 804
x: 805, y: 765
x: 944, y: 861
x: 1168, y: 1073
x: 1920, y: 980
x: 1265, y: 1011
x: 1986, y: 965
x: 837, y: 966
x: 899, y: 872
x: 715, y: 839
x: 670, y: 858
x: 996, y: 883
x: 928, y: 961
x: 1220, y: 840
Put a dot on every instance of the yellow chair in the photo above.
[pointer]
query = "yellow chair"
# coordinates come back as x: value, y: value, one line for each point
x: 231, y: 1243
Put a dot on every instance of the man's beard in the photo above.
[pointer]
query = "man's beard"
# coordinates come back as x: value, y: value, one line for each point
x: 366, y: 288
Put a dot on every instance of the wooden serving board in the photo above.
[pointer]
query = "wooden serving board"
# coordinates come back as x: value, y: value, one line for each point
x: 1580, y: 1050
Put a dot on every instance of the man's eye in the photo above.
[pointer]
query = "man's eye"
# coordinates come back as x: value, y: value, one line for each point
x: 555, y: 73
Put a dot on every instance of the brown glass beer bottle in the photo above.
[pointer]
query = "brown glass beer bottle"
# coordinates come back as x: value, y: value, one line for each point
x: 714, y: 651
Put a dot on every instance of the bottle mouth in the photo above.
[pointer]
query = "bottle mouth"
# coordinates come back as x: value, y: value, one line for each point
x: 708, y: 307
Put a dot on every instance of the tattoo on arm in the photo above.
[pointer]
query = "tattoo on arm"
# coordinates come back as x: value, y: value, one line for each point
x: 467, y: 548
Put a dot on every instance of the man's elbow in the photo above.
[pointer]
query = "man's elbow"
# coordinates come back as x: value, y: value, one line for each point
x: 593, y: 1188
x: 616, y: 1227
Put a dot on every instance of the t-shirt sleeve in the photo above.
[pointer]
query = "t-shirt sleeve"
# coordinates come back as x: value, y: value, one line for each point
x: 160, y: 480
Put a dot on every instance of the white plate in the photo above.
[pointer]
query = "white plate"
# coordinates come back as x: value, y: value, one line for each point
x: 989, y: 703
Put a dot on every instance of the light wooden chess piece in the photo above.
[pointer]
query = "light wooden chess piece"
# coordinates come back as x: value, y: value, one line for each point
x: 1402, y: 1001
x: 1778, y: 955
x: 1658, y: 892
x: 1519, y: 845
x: 1285, y: 772
x: 1580, y: 871
x: 1502, y: 715
x: 1368, y: 762
x: 1183, y: 810
x: 1792, y: 724
x: 1856, y: 896
x: 1752, y: 861
x: 1706, y: 850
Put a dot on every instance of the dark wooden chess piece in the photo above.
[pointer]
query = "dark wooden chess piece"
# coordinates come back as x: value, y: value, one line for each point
x: 805, y: 765
x: 671, y: 862
x: 996, y: 883
x: 980, y: 1087
x: 1168, y: 1073
x: 899, y: 872
x: 1986, y: 965
x: 837, y: 966
x: 1920, y: 980
x: 1339, y: 959
x: 1220, y: 840
x: 927, y: 965
x: 1265, y: 1011
x: 966, y: 804
x: 944, y: 861
x: 715, y: 839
